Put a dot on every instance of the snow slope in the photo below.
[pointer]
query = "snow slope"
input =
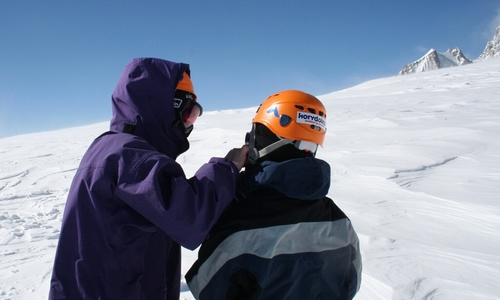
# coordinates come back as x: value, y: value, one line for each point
x: 415, y: 165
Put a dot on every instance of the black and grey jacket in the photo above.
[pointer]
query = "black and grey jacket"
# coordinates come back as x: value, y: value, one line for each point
x: 282, y: 238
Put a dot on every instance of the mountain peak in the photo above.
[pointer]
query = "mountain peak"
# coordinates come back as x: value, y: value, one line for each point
x: 434, y: 60
x: 453, y: 57
x: 431, y: 51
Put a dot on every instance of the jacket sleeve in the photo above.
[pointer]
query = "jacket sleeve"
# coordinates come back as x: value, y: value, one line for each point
x: 353, y: 279
x: 185, y: 209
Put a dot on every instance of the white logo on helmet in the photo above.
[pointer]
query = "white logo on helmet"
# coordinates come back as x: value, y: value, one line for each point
x: 311, y: 119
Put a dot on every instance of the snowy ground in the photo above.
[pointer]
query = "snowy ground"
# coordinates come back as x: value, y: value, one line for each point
x: 415, y: 164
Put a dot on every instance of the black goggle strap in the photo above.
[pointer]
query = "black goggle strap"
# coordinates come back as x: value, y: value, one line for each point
x: 254, y: 154
x: 250, y: 142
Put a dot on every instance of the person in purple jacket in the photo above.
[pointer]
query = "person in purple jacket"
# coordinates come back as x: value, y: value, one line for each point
x: 130, y: 207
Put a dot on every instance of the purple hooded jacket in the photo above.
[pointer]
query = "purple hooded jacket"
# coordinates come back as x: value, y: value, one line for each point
x: 130, y: 206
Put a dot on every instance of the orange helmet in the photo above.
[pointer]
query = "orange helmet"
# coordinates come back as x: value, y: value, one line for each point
x: 294, y: 115
x: 186, y: 84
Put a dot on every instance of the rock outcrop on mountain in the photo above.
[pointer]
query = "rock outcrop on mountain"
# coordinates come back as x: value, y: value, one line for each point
x: 492, y: 48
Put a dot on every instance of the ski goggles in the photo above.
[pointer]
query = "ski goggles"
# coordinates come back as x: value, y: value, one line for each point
x: 189, y: 110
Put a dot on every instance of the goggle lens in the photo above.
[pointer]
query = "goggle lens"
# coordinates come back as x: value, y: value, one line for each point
x: 191, y: 112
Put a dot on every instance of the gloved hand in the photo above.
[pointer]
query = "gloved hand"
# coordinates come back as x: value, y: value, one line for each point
x: 238, y: 156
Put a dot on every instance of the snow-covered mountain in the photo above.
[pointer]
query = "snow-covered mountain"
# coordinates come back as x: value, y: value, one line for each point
x: 434, y: 60
x: 492, y: 48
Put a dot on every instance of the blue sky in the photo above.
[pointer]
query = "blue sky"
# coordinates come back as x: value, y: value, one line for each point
x: 60, y: 59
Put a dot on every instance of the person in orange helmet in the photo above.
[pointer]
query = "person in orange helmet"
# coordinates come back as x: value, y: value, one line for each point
x: 282, y: 237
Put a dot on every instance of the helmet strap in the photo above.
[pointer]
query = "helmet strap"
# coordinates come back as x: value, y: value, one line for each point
x: 265, y: 151
x: 255, y: 154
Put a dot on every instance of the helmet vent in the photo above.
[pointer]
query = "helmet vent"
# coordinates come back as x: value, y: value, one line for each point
x: 311, y: 110
x: 285, y: 120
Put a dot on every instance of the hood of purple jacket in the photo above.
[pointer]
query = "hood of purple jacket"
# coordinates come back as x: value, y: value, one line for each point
x: 143, y: 104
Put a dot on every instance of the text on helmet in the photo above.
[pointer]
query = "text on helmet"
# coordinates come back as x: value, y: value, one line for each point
x: 311, y: 119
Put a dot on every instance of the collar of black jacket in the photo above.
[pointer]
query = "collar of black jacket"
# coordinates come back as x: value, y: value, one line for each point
x: 301, y: 178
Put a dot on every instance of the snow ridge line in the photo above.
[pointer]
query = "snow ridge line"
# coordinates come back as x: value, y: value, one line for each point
x: 421, y: 168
